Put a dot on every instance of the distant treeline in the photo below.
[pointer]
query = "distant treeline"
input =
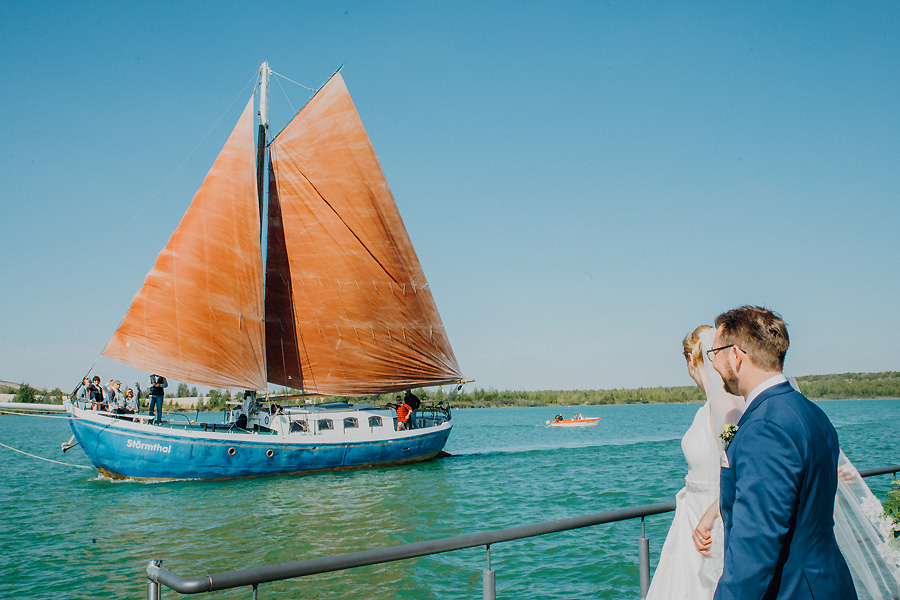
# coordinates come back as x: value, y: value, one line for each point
x: 816, y: 387
x: 26, y: 393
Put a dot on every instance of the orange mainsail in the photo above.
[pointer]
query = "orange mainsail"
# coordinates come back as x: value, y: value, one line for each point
x: 199, y: 315
x: 348, y: 309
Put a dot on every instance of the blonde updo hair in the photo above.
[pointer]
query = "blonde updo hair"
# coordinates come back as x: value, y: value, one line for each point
x: 691, y: 343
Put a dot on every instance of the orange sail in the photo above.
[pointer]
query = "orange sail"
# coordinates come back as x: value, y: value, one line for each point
x: 199, y: 315
x: 348, y: 309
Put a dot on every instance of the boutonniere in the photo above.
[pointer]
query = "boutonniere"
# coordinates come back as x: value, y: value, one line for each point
x: 728, y: 434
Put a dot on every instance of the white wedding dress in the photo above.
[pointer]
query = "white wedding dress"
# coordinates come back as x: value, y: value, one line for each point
x: 684, y: 574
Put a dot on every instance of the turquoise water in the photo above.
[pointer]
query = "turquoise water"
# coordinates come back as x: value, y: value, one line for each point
x: 70, y: 533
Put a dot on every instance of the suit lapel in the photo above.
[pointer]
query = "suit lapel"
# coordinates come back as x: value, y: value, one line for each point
x: 775, y: 390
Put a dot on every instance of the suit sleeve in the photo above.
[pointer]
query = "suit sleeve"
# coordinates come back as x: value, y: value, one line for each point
x: 768, y: 469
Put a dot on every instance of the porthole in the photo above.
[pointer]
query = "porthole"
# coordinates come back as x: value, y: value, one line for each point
x: 231, y: 451
x: 270, y: 453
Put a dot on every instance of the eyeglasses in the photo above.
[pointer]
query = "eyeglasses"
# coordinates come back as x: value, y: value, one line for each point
x: 711, y: 353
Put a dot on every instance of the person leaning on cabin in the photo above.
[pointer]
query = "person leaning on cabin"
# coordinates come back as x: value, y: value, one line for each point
x: 158, y: 385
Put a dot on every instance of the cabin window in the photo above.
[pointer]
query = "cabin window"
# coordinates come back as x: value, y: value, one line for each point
x: 299, y: 426
x: 351, y: 422
x: 325, y: 424
x: 374, y: 421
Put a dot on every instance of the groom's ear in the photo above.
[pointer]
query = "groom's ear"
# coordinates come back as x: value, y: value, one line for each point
x: 739, y: 358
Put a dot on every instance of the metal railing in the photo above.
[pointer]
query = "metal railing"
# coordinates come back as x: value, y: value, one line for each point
x: 159, y: 575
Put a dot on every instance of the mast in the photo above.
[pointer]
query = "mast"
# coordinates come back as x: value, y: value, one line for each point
x: 261, y: 138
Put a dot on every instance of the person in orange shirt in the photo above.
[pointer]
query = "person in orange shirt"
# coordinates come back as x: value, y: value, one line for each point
x: 403, y: 412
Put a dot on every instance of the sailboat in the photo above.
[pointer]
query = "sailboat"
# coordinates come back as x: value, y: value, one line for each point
x: 341, y: 308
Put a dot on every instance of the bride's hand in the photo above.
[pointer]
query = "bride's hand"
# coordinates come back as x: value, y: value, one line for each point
x: 702, y: 533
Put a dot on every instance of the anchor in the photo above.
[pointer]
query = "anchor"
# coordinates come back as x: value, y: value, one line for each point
x: 68, y: 445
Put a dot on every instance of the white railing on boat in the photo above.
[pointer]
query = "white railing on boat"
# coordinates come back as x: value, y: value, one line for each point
x: 253, y: 576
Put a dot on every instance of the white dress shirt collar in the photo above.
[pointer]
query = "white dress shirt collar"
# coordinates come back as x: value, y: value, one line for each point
x: 770, y: 382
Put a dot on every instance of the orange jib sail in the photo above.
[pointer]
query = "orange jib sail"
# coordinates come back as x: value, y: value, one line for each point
x: 199, y: 315
x: 348, y: 308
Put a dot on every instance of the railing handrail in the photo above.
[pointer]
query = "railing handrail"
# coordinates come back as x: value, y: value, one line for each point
x: 255, y: 575
x: 880, y: 471
x: 339, y: 562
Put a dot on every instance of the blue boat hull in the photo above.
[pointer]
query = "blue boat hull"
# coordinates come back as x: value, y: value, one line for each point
x: 121, y: 450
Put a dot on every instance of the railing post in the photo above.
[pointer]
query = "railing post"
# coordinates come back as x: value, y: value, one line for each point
x: 152, y: 585
x: 644, y: 561
x: 489, y: 591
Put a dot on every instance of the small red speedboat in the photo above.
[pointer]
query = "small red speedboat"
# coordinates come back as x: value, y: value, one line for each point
x: 578, y: 421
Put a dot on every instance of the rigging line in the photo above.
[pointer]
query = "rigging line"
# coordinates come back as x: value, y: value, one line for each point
x: 166, y: 182
x: 292, y: 81
x: 291, y: 104
x: 46, y: 459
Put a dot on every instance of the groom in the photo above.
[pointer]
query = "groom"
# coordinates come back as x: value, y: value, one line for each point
x: 779, y: 472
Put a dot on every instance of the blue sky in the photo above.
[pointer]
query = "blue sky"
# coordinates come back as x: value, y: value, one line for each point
x: 584, y: 182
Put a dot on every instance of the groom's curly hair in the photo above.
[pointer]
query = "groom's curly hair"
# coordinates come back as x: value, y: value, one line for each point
x: 760, y: 332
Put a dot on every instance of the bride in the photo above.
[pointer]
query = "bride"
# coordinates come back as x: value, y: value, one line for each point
x: 683, y: 572
x: 692, y: 557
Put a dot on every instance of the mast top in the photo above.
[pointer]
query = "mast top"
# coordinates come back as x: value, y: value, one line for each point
x: 264, y: 72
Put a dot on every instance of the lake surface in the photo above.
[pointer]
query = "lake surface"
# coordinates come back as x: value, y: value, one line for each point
x: 71, y: 533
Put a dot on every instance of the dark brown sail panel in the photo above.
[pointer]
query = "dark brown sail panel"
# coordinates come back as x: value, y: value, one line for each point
x: 198, y: 316
x: 281, y: 335
x: 363, y: 317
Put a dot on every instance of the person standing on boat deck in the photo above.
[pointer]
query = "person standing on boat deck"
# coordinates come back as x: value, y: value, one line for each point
x: 414, y: 403
x: 84, y: 393
x: 131, y: 402
x: 403, y: 413
x: 97, y: 402
x: 111, y: 396
x: 779, y: 472
x: 158, y: 385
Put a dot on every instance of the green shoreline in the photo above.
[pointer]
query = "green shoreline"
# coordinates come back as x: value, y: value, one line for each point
x: 866, y: 386
x: 863, y: 386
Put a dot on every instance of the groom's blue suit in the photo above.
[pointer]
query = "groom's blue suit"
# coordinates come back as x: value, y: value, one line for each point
x: 777, y: 503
